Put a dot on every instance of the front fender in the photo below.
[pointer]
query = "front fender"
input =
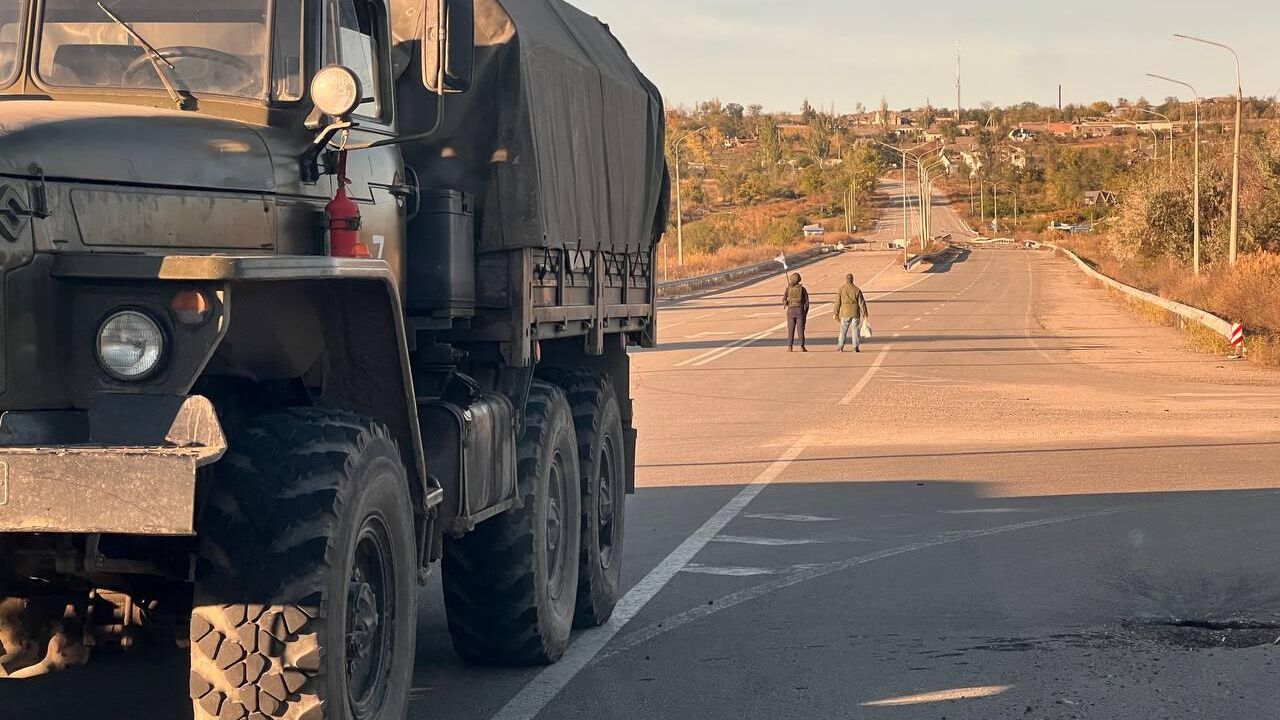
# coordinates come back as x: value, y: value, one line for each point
x: 335, y: 323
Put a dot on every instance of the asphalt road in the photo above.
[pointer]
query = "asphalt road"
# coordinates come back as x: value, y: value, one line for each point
x: 1019, y: 501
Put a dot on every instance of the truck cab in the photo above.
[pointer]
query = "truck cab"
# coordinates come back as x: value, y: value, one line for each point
x: 299, y: 299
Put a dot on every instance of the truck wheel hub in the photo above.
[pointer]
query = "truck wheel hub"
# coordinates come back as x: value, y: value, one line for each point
x: 555, y: 527
x: 370, y: 619
x: 604, y: 506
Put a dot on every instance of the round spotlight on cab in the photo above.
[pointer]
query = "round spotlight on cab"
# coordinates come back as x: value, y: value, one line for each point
x: 131, y: 346
x: 336, y: 91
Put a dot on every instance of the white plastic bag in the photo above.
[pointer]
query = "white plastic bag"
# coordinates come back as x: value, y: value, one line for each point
x: 864, y: 329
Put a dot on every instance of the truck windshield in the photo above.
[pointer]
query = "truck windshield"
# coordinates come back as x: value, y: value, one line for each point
x: 12, y: 13
x: 217, y: 48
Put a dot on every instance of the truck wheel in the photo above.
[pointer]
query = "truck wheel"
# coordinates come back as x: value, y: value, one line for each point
x: 510, y: 585
x: 304, y: 601
x: 603, y: 462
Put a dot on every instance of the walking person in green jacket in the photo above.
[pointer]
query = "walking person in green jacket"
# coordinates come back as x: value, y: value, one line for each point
x: 851, y: 311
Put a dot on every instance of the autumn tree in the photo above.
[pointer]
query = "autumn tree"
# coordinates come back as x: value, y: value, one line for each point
x: 769, y: 150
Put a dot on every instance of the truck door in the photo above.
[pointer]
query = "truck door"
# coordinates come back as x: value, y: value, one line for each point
x: 357, y: 35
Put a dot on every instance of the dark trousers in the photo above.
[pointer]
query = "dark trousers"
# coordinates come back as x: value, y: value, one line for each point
x: 796, y: 319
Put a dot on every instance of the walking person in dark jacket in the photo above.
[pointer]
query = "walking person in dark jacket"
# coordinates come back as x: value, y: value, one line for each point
x: 851, y: 312
x: 796, y: 301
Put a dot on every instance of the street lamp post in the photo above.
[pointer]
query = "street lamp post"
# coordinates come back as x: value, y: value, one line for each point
x: 1235, y: 168
x: 906, y: 229
x: 1155, y: 139
x: 928, y: 168
x: 679, y: 207
x: 1195, y: 250
x: 982, y: 202
x: 1166, y: 119
x: 995, y: 204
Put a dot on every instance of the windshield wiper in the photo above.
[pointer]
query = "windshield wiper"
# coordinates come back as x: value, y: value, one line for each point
x: 164, y: 69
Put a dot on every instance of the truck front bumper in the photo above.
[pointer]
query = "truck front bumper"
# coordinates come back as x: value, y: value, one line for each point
x: 126, y: 466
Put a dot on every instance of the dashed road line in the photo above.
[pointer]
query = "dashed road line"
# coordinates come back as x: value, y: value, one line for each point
x: 866, y: 378
x: 786, y: 517
x: 700, y: 612
x: 532, y: 698
x: 764, y: 541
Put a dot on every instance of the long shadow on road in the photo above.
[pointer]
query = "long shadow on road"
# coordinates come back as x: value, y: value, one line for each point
x: 903, y: 586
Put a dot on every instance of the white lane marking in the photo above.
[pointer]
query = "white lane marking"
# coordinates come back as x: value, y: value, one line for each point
x: 708, y: 333
x: 740, y: 570
x: 646, y: 634
x: 785, y: 517
x: 866, y: 378
x: 917, y: 320
x: 989, y: 511
x: 951, y: 695
x: 737, y: 345
x: 764, y: 541
x: 685, y: 322
x: 883, y: 270
x: 544, y: 687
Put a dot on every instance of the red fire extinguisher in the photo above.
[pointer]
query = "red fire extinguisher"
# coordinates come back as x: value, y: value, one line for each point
x: 343, y: 217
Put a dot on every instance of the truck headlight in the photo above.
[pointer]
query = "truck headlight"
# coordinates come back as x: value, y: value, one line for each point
x: 130, y: 345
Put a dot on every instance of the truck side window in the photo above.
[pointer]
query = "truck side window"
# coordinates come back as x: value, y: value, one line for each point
x: 352, y: 39
x: 286, y: 57
x: 11, y: 15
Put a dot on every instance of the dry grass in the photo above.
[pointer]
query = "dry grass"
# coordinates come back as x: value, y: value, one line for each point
x: 1246, y: 293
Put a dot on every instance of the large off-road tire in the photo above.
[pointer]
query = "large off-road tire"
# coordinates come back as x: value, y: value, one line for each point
x: 602, y: 458
x: 304, y: 602
x: 510, y: 585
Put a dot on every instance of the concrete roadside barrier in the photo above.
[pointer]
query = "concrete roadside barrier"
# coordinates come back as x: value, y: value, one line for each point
x: 1185, y: 313
x: 915, y: 260
x: 675, y: 289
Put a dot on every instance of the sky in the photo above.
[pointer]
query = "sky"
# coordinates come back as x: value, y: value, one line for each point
x: 781, y: 52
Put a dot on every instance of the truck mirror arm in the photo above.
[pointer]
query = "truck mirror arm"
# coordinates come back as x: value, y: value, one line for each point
x: 310, y: 171
x: 416, y: 137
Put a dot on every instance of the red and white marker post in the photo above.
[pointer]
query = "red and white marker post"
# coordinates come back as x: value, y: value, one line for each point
x: 1237, y: 339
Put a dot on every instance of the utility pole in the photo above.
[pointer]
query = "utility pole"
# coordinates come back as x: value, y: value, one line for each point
x: 958, y: 105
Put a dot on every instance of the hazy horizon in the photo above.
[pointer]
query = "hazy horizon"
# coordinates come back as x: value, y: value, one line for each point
x: 749, y: 51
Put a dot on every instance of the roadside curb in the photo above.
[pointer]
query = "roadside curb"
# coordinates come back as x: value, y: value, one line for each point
x: 1186, y: 313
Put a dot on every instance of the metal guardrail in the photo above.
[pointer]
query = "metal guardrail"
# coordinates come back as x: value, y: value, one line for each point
x: 1186, y: 312
x: 683, y: 286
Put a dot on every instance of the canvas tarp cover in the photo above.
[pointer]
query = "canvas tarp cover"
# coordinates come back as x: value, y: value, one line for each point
x: 560, y: 140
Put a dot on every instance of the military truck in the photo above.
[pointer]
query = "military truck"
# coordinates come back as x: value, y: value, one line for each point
x: 301, y: 297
